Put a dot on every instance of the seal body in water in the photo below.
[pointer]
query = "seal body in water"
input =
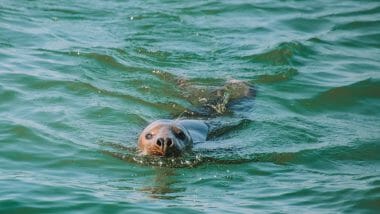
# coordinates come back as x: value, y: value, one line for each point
x: 174, y: 137
x: 171, y: 137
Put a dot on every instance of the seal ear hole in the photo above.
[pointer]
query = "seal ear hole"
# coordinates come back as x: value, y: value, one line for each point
x: 148, y: 136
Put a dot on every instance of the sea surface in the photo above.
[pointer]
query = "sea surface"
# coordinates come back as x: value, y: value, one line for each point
x: 79, y: 80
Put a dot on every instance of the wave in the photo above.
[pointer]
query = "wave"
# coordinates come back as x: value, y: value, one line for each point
x: 344, y: 96
x: 106, y: 59
x: 357, y: 12
x: 285, y: 53
x: 276, y: 75
x: 364, y: 26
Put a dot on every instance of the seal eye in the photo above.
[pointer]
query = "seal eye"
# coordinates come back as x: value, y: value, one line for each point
x: 180, y: 135
x: 148, y: 136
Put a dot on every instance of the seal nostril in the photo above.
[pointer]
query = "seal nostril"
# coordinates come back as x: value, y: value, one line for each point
x: 159, y: 141
x: 169, y: 141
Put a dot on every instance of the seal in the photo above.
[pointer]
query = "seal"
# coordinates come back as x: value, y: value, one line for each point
x: 171, y: 137
x: 174, y: 137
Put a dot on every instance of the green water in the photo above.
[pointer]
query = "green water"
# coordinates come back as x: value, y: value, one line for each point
x: 80, y: 79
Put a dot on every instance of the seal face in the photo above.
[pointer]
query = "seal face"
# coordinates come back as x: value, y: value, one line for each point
x: 164, y: 138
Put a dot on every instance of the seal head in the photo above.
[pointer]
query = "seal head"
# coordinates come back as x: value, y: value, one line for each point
x: 164, y: 138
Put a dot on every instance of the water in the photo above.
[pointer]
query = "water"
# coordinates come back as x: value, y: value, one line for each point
x: 80, y: 79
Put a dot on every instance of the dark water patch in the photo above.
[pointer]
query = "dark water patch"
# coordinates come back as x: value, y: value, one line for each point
x: 345, y: 96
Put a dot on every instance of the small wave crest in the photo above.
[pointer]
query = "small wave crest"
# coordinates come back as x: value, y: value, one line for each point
x: 285, y: 53
x: 345, y: 95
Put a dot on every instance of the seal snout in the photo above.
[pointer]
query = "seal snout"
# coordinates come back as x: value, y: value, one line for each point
x: 164, y: 144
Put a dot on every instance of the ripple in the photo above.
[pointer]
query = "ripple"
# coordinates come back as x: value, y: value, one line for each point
x: 276, y: 75
x: 369, y: 39
x: 357, y: 12
x: 160, y: 55
x: 344, y: 96
x: 366, y: 26
x: 105, y: 59
x: 283, y: 54
x: 31, y: 144
x: 309, y: 25
x: 7, y: 95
